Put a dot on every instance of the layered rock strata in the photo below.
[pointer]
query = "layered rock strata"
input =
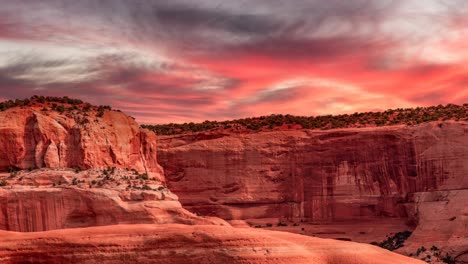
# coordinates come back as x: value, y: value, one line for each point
x: 184, y: 244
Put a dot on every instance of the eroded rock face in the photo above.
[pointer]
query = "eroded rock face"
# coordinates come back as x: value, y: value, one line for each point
x: 322, y: 176
x: 442, y: 220
x: 48, y: 199
x: 115, y: 179
x: 31, y: 138
x: 336, y: 176
x: 184, y: 244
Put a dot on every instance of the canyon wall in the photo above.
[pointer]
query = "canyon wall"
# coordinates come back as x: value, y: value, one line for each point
x: 322, y: 176
x: 347, y: 182
x: 31, y: 138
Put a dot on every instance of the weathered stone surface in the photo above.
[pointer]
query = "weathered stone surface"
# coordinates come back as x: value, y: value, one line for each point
x: 326, y: 177
x: 442, y: 221
x: 322, y: 176
x: 31, y: 138
x: 184, y: 244
x: 48, y: 199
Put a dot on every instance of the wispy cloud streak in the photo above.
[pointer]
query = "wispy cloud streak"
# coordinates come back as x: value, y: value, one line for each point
x: 166, y: 61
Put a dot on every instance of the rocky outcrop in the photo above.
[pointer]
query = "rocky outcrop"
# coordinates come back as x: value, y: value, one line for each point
x: 31, y: 138
x: 184, y: 244
x: 54, y: 199
x: 442, y: 220
x: 325, y: 177
x: 80, y: 168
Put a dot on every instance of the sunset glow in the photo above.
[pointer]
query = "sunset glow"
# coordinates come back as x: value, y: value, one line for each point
x: 189, y: 61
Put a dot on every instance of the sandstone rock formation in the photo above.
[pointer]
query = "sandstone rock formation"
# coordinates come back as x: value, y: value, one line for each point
x: 326, y: 177
x: 184, y: 244
x: 47, y: 199
x: 31, y: 138
x: 79, y: 168
x: 85, y: 176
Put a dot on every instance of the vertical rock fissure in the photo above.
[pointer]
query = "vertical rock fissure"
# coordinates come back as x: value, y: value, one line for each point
x: 142, y: 156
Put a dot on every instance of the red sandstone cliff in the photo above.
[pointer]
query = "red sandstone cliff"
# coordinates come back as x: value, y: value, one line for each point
x: 414, y: 175
x: 31, y: 138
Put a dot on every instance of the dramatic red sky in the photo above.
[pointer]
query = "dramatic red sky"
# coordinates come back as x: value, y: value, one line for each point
x: 182, y: 60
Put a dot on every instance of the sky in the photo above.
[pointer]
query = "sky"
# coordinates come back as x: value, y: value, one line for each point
x: 179, y: 61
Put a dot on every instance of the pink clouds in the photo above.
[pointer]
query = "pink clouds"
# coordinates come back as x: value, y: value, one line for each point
x: 180, y: 62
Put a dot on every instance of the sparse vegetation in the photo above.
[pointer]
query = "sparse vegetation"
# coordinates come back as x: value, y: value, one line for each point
x: 394, y: 242
x: 3, y: 183
x: 59, y: 104
x: 434, y: 254
x: 75, y: 181
x: 60, y: 108
x: 143, y: 176
x: 13, y: 172
x: 400, y: 116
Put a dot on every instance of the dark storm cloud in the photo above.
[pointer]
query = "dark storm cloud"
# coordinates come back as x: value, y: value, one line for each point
x: 177, y: 22
x: 190, y: 18
x: 14, y: 81
x: 114, y: 80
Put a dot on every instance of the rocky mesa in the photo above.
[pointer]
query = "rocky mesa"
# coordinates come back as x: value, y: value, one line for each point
x: 84, y: 137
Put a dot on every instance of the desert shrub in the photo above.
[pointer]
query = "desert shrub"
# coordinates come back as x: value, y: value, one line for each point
x: 433, y: 253
x: 448, y: 259
x: 143, y: 176
x: 394, y: 242
x: 13, y: 171
x: 60, y: 108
